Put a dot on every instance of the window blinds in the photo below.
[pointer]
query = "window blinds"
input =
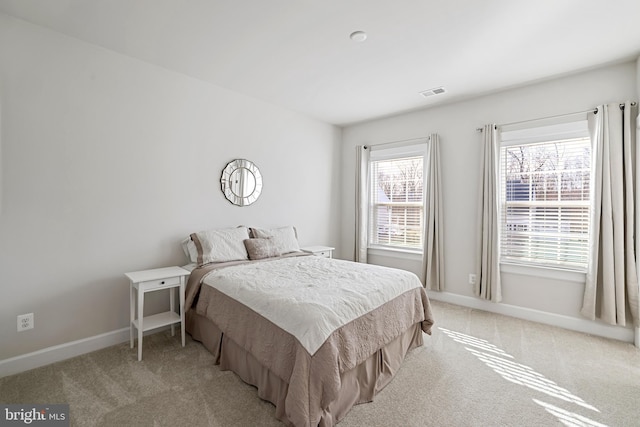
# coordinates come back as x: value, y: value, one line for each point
x: 545, y: 195
x: 396, y: 212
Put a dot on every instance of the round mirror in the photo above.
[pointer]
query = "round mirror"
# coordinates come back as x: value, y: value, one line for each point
x: 241, y: 182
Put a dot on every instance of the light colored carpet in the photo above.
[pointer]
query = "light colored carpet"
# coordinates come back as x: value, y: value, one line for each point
x: 477, y: 369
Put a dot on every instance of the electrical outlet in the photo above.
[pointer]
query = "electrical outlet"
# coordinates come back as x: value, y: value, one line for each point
x: 472, y: 279
x: 25, y: 321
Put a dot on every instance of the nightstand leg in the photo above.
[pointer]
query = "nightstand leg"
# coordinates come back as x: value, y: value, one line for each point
x: 172, y: 307
x: 140, y: 326
x: 132, y: 312
x: 182, y: 286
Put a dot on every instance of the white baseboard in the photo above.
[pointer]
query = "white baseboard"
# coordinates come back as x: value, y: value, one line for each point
x: 572, y: 323
x: 60, y: 352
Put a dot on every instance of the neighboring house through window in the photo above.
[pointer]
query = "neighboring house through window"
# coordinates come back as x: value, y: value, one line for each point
x: 546, y: 195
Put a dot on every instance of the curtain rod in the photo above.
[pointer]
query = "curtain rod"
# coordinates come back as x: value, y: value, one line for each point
x: 593, y: 110
x: 396, y: 142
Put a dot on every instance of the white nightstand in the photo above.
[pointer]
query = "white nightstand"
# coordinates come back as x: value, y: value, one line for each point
x: 323, y: 251
x: 155, y: 280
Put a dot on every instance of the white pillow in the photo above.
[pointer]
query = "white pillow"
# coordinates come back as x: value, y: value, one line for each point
x: 190, y: 249
x: 221, y: 245
x: 285, y: 238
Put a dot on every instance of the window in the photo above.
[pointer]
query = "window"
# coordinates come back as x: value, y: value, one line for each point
x: 545, y: 195
x: 396, y: 210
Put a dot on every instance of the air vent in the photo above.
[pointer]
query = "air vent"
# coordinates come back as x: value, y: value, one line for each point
x: 432, y: 92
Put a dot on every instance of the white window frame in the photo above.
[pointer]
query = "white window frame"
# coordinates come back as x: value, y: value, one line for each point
x: 392, y: 153
x: 573, y: 129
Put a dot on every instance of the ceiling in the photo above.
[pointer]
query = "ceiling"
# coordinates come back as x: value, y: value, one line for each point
x: 298, y: 54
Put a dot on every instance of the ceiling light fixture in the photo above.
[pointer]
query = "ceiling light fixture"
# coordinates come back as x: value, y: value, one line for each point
x: 358, y: 36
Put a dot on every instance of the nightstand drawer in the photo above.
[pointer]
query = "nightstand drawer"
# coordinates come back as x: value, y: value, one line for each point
x: 152, y: 284
x: 321, y: 251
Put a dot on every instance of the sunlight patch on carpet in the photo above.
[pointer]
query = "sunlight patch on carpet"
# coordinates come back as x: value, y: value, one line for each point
x: 568, y: 418
x: 505, y: 365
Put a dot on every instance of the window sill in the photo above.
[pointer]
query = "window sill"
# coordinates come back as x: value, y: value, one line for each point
x: 546, y: 272
x: 395, y: 253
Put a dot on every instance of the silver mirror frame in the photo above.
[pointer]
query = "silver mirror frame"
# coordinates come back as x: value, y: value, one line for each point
x: 241, y: 182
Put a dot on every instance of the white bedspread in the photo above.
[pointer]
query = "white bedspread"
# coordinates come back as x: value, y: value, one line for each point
x: 309, y: 296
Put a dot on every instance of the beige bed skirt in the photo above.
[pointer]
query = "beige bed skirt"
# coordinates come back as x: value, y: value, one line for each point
x: 358, y: 385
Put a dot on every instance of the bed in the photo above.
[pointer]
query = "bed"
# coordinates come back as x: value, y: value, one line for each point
x: 315, y: 335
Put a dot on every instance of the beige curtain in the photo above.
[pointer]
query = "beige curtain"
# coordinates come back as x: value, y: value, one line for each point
x: 433, y: 263
x: 488, y: 244
x: 612, y: 282
x: 362, y: 202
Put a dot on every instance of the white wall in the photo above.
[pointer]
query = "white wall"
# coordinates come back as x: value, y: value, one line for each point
x: 108, y: 162
x: 456, y: 124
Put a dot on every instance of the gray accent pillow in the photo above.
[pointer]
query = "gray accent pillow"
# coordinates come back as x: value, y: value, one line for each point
x: 262, y: 248
x: 286, y: 237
